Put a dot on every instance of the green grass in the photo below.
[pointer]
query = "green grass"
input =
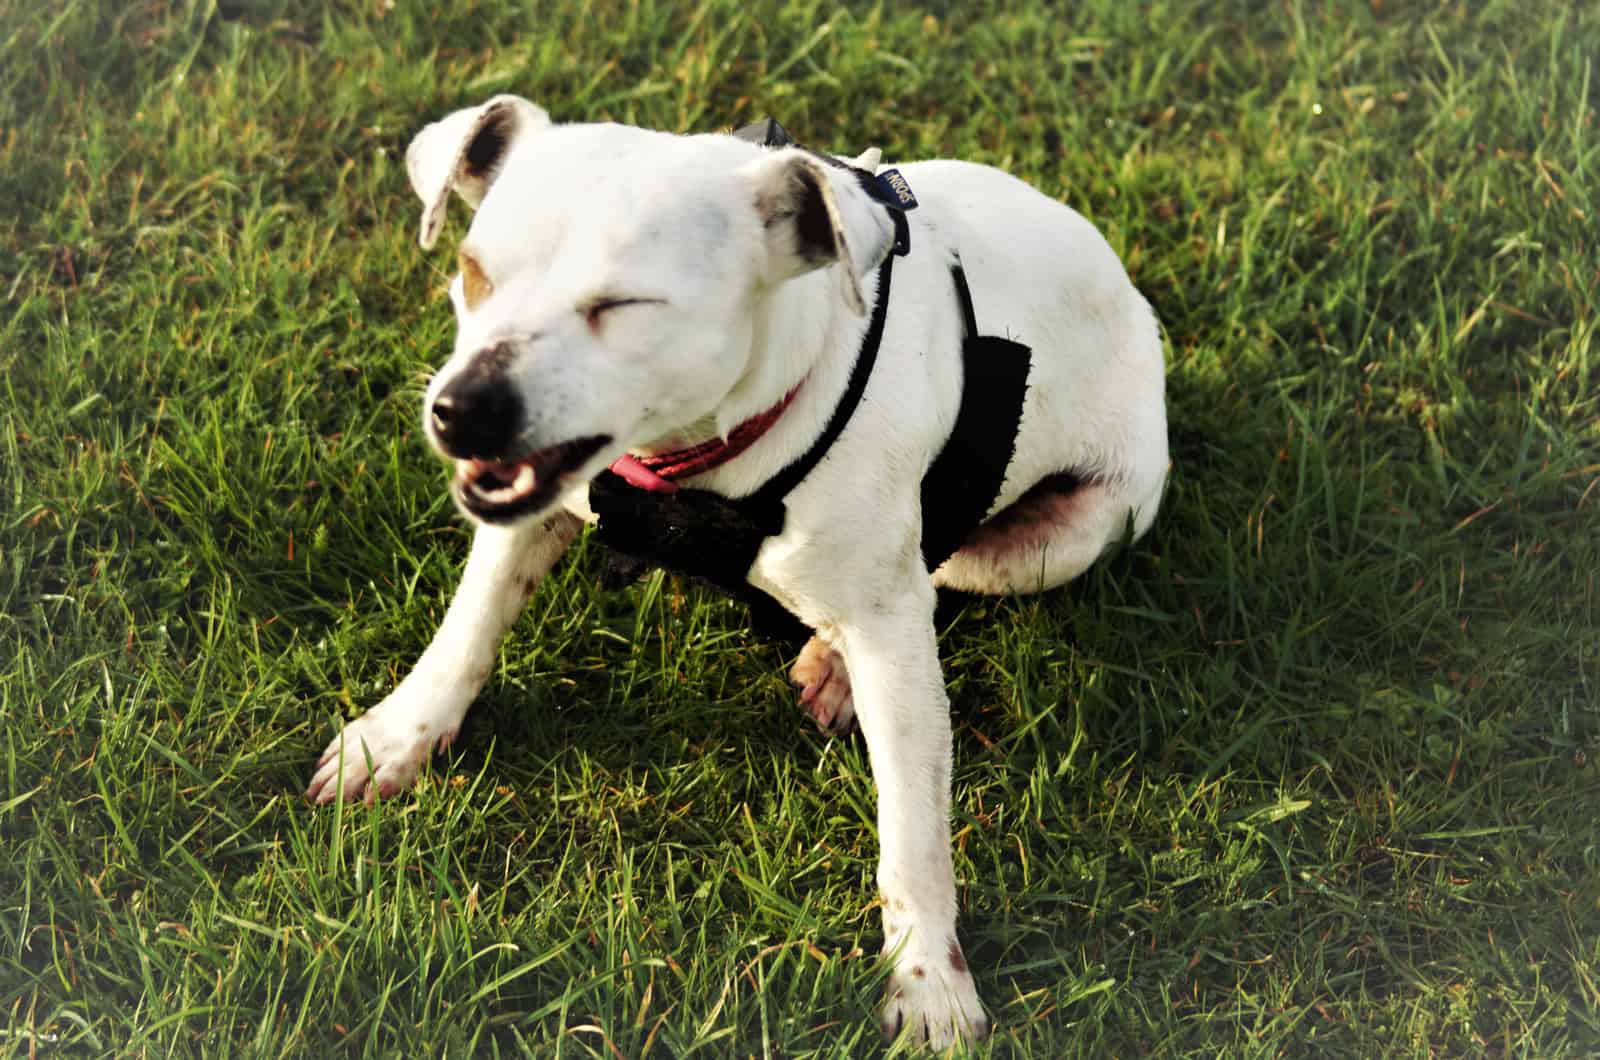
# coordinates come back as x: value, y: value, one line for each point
x: 1309, y: 771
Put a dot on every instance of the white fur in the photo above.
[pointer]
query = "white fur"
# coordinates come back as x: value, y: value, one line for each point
x: 572, y: 212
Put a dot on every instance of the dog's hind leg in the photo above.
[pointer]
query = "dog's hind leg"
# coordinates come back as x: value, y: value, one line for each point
x: 379, y: 753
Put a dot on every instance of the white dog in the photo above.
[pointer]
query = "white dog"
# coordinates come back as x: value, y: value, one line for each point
x: 693, y: 342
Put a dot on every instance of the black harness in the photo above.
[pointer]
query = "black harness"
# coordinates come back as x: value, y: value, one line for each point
x: 712, y: 538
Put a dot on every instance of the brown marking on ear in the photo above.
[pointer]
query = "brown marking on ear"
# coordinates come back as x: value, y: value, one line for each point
x: 917, y: 972
x: 957, y: 961
x: 475, y: 285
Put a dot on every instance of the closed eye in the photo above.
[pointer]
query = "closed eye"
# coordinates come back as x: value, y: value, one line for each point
x: 596, y: 308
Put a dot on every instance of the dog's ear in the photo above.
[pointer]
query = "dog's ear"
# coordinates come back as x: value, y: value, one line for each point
x: 816, y: 214
x: 464, y: 152
x: 867, y: 160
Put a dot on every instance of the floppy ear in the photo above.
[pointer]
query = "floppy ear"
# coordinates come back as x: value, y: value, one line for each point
x: 464, y: 151
x: 816, y: 214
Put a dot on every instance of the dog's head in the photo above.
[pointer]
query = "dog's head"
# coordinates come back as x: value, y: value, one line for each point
x: 609, y: 287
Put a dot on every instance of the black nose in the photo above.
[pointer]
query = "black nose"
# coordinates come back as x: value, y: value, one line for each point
x: 477, y: 415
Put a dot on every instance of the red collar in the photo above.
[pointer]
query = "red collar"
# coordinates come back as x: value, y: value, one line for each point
x: 659, y: 473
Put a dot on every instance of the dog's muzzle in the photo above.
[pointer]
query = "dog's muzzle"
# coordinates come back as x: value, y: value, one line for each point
x: 477, y: 420
x: 503, y: 491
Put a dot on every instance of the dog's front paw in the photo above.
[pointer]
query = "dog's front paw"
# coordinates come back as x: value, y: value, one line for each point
x: 824, y: 684
x: 381, y: 753
x: 931, y: 997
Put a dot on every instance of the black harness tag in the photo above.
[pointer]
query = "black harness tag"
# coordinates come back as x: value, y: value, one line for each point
x: 891, y: 189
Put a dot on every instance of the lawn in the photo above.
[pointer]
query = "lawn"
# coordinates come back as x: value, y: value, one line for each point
x: 1311, y: 770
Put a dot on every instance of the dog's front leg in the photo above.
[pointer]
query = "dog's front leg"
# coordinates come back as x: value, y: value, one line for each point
x: 904, y: 714
x: 425, y: 711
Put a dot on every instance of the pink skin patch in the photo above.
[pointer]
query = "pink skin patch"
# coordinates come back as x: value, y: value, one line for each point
x: 636, y: 474
x: 1033, y: 522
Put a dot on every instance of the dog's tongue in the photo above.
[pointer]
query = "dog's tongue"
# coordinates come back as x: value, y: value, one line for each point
x: 636, y: 474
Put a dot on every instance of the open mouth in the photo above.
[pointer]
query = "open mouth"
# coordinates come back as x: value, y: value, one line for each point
x: 501, y: 491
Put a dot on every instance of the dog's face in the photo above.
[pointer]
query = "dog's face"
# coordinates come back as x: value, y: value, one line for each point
x: 609, y: 286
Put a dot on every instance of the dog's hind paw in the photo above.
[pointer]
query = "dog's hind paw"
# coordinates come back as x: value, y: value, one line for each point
x: 380, y: 758
x: 824, y: 684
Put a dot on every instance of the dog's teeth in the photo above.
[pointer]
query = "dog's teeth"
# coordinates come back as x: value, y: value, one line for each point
x: 524, y: 481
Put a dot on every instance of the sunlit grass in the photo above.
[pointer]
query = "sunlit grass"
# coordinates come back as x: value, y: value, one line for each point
x: 1309, y: 771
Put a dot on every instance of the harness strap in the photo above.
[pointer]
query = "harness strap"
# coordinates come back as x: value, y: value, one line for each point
x: 967, y: 475
x: 780, y: 484
x: 969, y: 318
